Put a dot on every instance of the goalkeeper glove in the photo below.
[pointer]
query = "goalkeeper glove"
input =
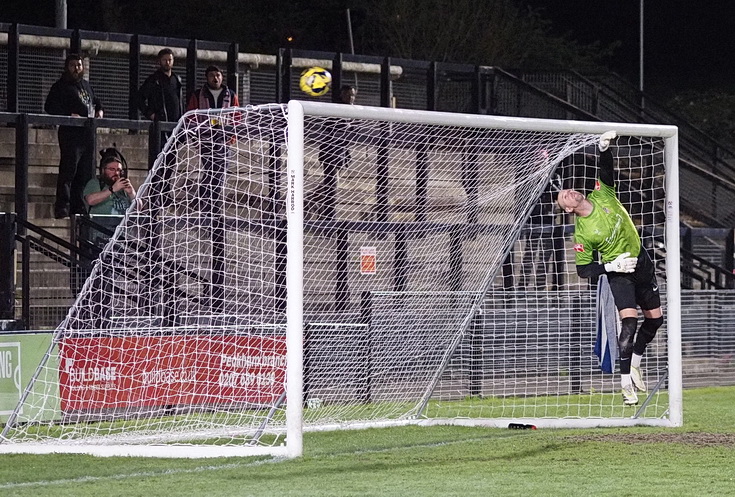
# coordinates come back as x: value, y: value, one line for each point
x: 622, y: 264
x: 605, y: 140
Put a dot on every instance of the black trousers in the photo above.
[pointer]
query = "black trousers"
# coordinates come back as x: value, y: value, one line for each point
x: 76, y: 168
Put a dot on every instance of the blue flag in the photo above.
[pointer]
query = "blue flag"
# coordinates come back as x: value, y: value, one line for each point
x: 606, y: 343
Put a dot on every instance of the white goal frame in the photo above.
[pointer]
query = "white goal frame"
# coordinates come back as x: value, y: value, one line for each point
x: 297, y: 112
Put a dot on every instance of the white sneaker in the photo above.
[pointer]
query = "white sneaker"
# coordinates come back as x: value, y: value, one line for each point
x: 637, y: 378
x: 629, y: 396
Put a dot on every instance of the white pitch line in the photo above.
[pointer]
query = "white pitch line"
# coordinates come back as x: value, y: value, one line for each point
x: 146, y: 474
x: 201, y: 469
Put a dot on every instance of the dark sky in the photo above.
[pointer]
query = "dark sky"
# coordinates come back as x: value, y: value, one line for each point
x: 688, y: 44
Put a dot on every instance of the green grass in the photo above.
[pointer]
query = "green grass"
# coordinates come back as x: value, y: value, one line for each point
x: 698, y: 459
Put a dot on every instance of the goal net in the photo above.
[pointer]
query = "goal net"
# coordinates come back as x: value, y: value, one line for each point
x: 318, y: 266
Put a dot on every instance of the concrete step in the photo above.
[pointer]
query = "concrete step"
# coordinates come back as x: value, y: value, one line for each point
x: 44, y: 150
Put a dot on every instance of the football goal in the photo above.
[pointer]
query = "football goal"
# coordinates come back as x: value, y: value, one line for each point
x: 317, y: 266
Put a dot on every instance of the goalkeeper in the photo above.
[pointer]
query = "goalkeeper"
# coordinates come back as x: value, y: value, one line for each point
x: 603, y: 224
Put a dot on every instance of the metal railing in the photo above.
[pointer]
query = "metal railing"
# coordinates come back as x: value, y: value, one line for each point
x: 118, y: 63
x: 707, y: 166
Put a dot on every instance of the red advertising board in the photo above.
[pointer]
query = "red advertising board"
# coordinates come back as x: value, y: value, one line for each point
x: 128, y: 372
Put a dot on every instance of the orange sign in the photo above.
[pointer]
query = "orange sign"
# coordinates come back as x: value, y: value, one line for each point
x: 368, y: 260
x: 115, y: 372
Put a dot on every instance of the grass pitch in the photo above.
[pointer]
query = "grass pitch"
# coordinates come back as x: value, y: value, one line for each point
x: 698, y: 459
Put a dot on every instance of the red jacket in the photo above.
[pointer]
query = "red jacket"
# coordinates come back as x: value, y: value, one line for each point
x: 203, y: 99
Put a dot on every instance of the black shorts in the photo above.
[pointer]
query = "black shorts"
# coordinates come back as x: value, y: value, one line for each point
x: 637, y: 288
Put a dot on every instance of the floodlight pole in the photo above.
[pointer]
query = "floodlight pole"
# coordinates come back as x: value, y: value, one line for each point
x: 61, y: 14
x: 352, y: 41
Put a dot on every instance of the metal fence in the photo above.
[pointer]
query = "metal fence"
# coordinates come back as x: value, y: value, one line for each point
x: 541, y: 340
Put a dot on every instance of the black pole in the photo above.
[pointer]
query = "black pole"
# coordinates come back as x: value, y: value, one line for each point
x: 471, y: 184
x: 432, y: 86
x: 287, y: 73
x: 13, y: 67
x: 476, y: 101
x: 308, y: 355
x: 455, y: 260
x: 366, y: 316
x: 155, y: 143
x: 366, y: 307
x: 133, y: 76
x: 25, y: 280
x: 7, y: 266
x: 400, y: 261
x: 507, y: 269
x: 336, y: 78
x: 75, y: 44
x: 214, y: 203
x: 91, y: 127
x: 233, y: 67
x: 330, y: 161
x: 382, y: 171
x: 274, y: 168
x: 191, y: 68
x: 686, y: 259
x: 386, y: 89
x: 729, y: 254
x: 281, y: 264
x: 491, y: 95
x: 422, y: 182
x: 279, y: 75
x: 476, y: 353
x: 21, y: 170
x: 342, y: 288
x: 575, y: 345
x: 559, y: 250
x: 382, y: 209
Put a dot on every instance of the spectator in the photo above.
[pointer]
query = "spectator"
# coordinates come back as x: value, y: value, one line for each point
x: 108, y: 196
x: 159, y: 99
x: 347, y: 94
x: 72, y: 95
x: 111, y: 192
x: 214, y: 94
x: 218, y: 134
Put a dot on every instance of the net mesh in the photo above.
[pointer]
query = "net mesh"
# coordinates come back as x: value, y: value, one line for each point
x: 438, y: 281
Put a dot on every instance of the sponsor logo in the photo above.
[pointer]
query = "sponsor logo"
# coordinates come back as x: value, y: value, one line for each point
x: 10, y: 372
x: 597, y: 185
x: 579, y: 247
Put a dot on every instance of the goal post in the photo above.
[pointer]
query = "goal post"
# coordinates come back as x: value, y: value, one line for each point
x: 316, y: 266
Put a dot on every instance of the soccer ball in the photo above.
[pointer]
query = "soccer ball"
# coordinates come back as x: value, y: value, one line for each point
x: 315, y: 81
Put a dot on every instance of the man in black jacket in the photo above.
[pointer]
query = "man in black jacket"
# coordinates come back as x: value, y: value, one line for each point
x: 160, y: 96
x: 72, y: 95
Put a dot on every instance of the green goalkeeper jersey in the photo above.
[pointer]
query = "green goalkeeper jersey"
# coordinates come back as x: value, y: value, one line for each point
x: 608, y: 229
